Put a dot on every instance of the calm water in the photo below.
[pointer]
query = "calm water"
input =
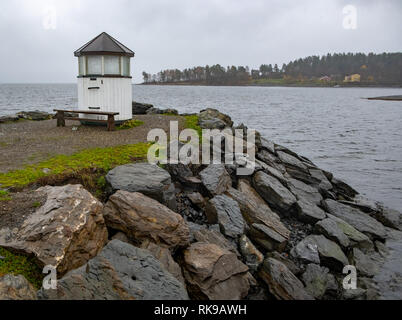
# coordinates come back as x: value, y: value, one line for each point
x: 358, y: 140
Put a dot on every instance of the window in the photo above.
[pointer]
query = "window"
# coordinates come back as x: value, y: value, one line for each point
x: 126, y: 66
x: 81, y: 66
x: 94, y: 65
x: 112, y: 65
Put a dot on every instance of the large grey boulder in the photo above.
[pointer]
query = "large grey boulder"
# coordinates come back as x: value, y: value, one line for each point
x: 226, y: 212
x: 356, y: 218
x: 273, y: 192
x: 292, y: 161
x: 367, y: 265
x: 212, y: 124
x: 343, y: 189
x: 309, y: 212
x: 324, y: 183
x: 146, y: 178
x: 331, y: 255
x: 209, y: 114
x: 215, y: 273
x: 319, y: 281
x: 332, y: 231
x: 65, y: 232
x: 282, y: 283
x: 216, y: 179
x: 304, y: 192
x: 142, y: 218
x: 120, y: 272
x: 141, y: 108
x: 16, y: 288
x: 35, y: 115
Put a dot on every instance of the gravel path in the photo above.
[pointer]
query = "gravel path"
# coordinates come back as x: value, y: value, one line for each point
x: 29, y: 142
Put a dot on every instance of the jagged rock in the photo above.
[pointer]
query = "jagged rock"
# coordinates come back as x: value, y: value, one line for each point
x: 283, y: 257
x: 366, y: 265
x: 304, y: 192
x: 254, y: 211
x: 12, y: 118
x: 390, y: 218
x: 354, y: 294
x: 343, y: 189
x: 141, y: 108
x: 16, y: 288
x: 332, y: 231
x: 142, y: 218
x: 215, y: 237
x: 329, y: 252
x: 359, y: 220
x: 122, y: 237
x: 306, y: 251
x: 267, y: 238
x: 154, y: 110
x: 212, y: 124
x: 324, y: 183
x: 197, y: 199
x: 215, y: 273
x: 164, y: 256
x: 275, y: 173
x: 291, y: 161
x: 267, y: 145
x: 216, y: 179
x: 356, y: 237
x: 273, y: 192
x: 226, y: 212
x: 282, y: 283
x: 270, y: 160
x: 34, y: 115
x: 120, y: 272
x: 252, y: 256
x: 309, y: 212
x: 65, y: 232
x: 319, y: 281
x: 209, y: 114
x: 145, y: 178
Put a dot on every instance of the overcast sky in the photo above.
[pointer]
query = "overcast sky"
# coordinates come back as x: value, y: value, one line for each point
x: 164, y: 34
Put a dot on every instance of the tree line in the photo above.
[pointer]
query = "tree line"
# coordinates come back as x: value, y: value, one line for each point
x: 385, y: 68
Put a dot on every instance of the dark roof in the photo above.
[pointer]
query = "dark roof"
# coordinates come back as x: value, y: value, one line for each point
x: 104, y: 44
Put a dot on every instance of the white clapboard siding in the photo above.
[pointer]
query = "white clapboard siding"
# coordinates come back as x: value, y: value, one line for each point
x: 113, y: 95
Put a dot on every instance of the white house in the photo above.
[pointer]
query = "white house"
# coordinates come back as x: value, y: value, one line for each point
x: 104, y: 78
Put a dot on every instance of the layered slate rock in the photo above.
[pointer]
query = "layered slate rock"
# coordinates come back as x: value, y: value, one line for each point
x: 142, y: 218
x: 256, y: 212
x: 332, y: 231
x: 146, y: 178
x: 215, y: 237
x: 356, y: 218
x: 282, y: 283
x: 16, y: 288
x: 309, y: 212
x: 324, y: 183
x: 120, y: 272
x: 267, y: 238
x: 343, y: 188
x: 226, y: 212
x: 366, y: 265
x: 319, y: 281
x: 214, y: 273
x: 216, y: 179
x: 330, y: 254
x: 252, y: 256
x: 65, y: 232
x: 164, y: 256
x: 291, y: 161
x: 273, y: 192
x: 304, y: 192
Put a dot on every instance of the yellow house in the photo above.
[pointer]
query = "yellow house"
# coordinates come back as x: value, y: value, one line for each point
x: 352, y: 78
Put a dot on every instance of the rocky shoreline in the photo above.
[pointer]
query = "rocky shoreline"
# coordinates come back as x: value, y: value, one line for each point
x: 202, y: 232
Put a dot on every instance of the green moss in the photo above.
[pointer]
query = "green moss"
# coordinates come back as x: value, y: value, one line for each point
x: 18, y: 264
x: 102, y: 159
x: 192, y: 122
x: 130, y: 124
x: 169, y: 114
x: 36, y: 204
x: 4, y: 195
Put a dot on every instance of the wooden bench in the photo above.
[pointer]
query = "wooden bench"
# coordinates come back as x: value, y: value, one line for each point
x: 61, y: 117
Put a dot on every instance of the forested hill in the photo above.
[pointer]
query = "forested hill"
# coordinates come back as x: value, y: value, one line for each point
x: 380, y: 69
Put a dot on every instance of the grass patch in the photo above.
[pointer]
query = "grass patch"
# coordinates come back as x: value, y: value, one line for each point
x: 97, y: 159
x: 19, y: 264
x: 130, y: 124
x: 4, y: 196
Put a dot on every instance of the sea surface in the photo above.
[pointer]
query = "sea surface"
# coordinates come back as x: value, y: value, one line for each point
x: 358, y: 140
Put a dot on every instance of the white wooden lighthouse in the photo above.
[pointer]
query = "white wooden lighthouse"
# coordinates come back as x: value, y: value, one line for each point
x: 104, y: 79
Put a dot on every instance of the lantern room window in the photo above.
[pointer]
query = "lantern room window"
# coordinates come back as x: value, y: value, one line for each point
x: 125, y: 66
x: 81, y: 66
x: 112, y: 65
x: 94, y: 64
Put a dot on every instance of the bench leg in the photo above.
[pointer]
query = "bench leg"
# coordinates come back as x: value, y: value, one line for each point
x: 61, y: 122
x: 110, y: 123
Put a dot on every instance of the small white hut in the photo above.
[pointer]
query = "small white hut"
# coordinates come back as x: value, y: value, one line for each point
x: 104, y: 79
